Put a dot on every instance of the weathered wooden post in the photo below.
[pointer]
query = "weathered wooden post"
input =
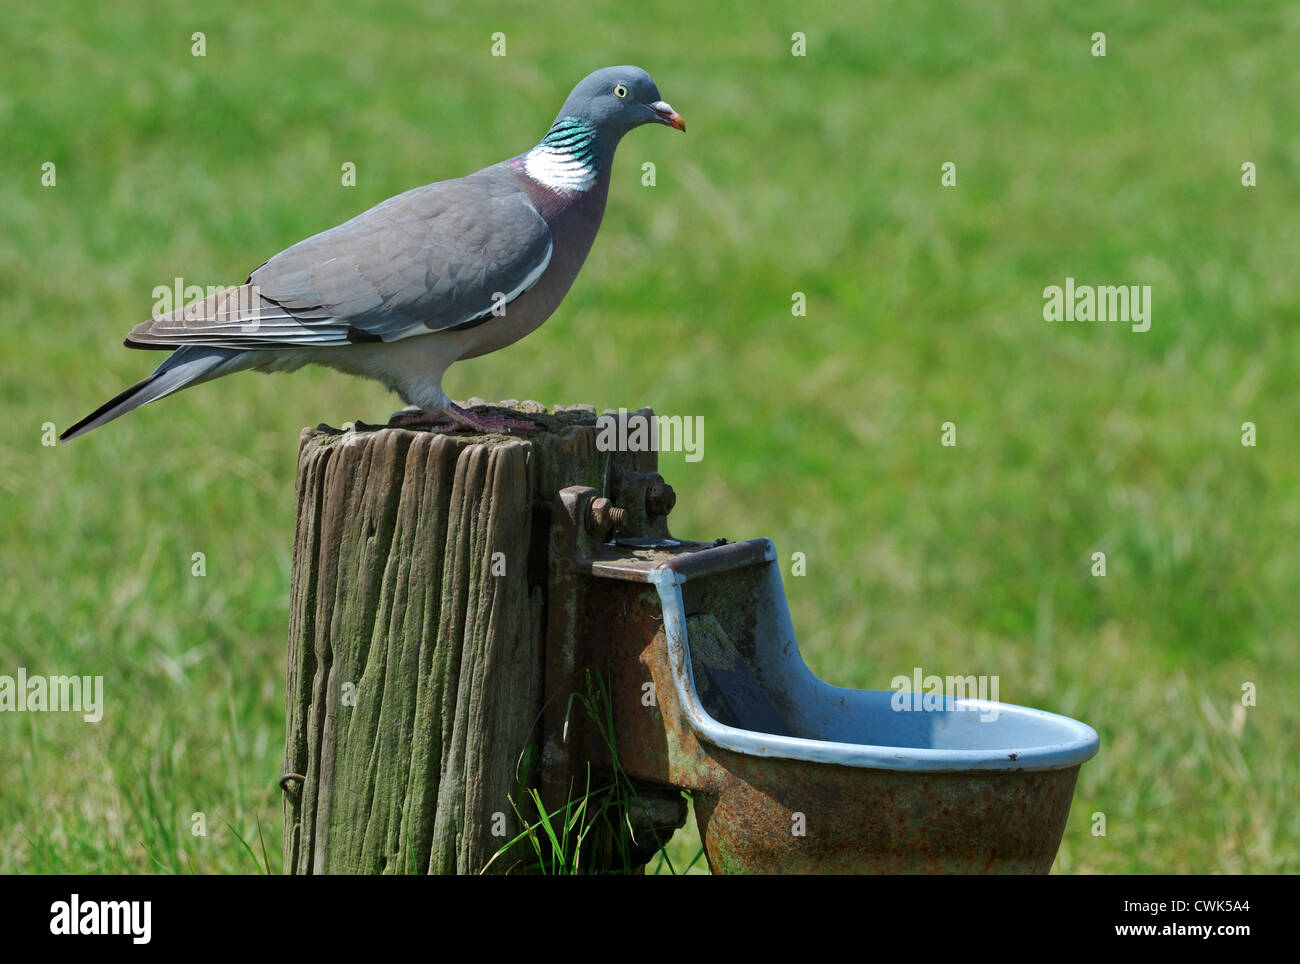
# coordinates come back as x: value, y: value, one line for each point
x: 416, y: 661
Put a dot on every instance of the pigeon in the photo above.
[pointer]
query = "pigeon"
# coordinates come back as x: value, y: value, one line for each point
x: 440, y: 273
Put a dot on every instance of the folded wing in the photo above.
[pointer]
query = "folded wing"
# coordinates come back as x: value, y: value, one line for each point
x: 438, y: 257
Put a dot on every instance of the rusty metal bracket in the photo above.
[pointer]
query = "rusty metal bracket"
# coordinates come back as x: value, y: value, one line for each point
x: 592, y: 624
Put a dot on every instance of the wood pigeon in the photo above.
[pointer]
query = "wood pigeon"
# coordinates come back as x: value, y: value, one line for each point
x: 442, y: 272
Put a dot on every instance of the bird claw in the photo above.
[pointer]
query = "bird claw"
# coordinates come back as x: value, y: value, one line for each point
x: 453, y: 419
x: 485, y: 423
x: 415, y: 418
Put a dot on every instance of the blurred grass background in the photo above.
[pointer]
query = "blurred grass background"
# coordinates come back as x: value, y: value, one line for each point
x: 817, y: 174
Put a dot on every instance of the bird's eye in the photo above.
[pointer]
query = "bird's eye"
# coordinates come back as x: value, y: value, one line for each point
x: 620, y: 90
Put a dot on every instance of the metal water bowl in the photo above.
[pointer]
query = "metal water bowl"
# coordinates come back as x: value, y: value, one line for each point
x: 790, y: 774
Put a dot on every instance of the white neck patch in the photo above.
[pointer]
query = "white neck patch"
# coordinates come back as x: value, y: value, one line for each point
x: 558, y: 169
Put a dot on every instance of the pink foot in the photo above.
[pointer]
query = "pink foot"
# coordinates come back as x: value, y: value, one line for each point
x: 454, y: 418
x: 483, y: 423
x: 436, y: 422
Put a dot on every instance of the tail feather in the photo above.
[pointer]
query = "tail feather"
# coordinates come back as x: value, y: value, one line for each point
x: 186, y: 366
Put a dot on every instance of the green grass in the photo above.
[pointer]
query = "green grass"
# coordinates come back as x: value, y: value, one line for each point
x: 595, y: 830
x: 817, y: 174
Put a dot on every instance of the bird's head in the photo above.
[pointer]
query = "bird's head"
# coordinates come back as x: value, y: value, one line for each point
x: 617, y: 99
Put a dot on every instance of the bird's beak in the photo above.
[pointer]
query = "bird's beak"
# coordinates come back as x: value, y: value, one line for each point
x: 667, y: 115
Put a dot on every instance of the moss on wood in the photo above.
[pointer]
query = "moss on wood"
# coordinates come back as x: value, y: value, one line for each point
x: 415, y: 650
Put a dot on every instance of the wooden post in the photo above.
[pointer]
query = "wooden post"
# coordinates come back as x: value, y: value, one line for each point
x: 416, y: 639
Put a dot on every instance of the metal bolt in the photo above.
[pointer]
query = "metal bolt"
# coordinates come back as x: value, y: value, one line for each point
x: 603, y: 514
x: 659, y: 498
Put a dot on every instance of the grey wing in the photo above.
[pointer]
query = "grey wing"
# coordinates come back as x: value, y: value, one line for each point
x: 438, y: 257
